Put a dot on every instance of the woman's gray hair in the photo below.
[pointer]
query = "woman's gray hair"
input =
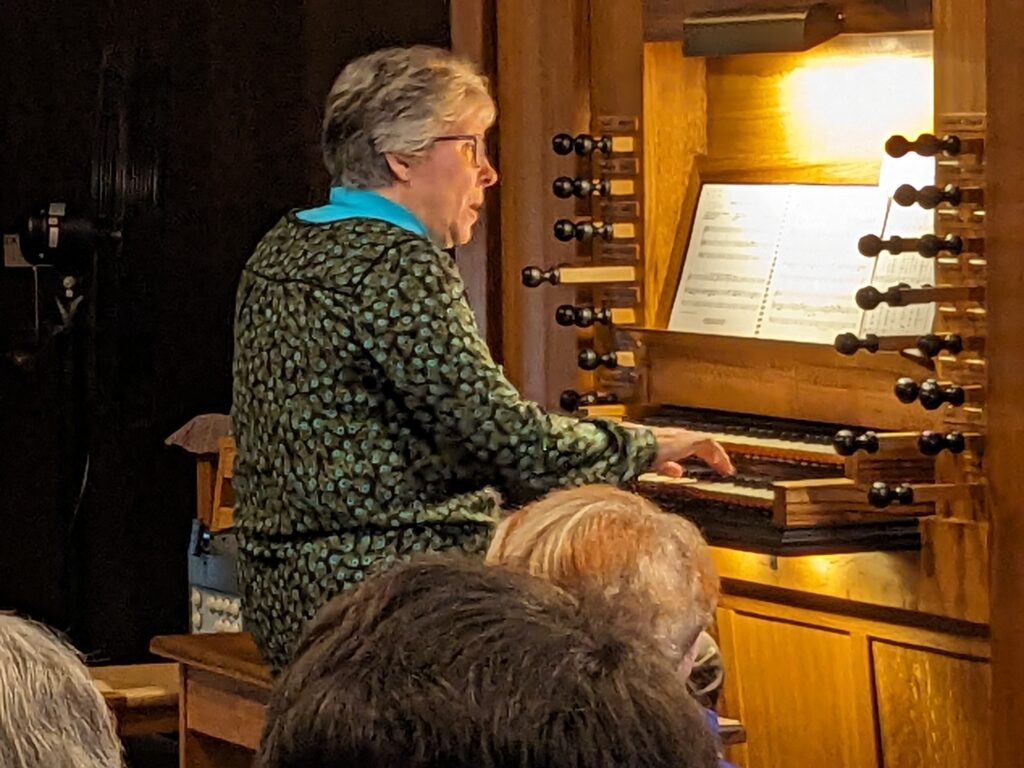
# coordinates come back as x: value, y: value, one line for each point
x: 396, y: 100
x: 51, y: 714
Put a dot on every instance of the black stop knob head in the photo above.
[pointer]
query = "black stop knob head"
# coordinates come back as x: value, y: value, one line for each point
x: 906, y: 390
x: 931, y: 443
x: 565, y: 230
x: 869, y: 245
x: 955, y: 442
x: 565, y: 315
x: 562, y: 144
x: 846, y: 343
x: 905, y: 195
x: 563, y: 187
x: 930, y: 345
x: 569, y: 400
x: 584, y: 145
x: 897, y: 146
x: 868, y: 442
x: 879, y: 495
x: 868, y: 297
x: 588, y: 360
x: 532, y: 276
x: 845, y: 442
x: 931, y: 396
x: 903, y: 494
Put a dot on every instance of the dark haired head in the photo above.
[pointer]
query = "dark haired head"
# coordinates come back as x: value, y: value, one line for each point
x: 446, y: 663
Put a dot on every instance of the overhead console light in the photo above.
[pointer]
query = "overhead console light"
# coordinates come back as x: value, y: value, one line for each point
x: 753, y: 31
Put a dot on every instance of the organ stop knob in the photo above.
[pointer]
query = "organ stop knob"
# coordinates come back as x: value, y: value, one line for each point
x: 847, y: 443
x: 929, y: 392
x: 929, y: 145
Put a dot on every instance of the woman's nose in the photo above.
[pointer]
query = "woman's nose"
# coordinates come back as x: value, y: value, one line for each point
x: 488, y: 175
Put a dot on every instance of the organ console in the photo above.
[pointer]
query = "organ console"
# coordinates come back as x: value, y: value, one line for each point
x: 856, y: 533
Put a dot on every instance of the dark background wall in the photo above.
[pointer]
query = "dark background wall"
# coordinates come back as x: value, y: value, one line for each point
x: 240, y: 86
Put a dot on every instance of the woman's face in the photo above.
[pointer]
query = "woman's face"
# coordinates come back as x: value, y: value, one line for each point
x: 447, y: 184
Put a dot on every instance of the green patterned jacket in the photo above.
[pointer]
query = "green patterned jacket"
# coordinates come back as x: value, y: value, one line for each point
x: 372, y: 423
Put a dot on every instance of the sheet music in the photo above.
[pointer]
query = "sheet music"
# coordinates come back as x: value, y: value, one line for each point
x: 780, y: 261
x: 810, y: 297
x: 729, y: 260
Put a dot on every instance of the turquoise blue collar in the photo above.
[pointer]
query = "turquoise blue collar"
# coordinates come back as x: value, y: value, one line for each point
x: 346, y: 203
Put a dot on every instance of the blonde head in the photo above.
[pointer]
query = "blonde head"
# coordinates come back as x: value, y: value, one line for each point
x: 396, y: 100
x: 600, y: 538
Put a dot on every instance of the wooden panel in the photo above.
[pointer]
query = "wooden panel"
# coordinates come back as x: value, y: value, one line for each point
x: 835, y: 104
x: 1005, y: 244
x: 231, y: 654
x: 543, y: 71
x: 229, y: 711
x: 474, y: 35
x: 664, y: 18
x: 932, y: 708
x: 675, y: 132
x: 950, y: 638
x: 798, y: 715
x: 781, y: 379
x: 946, y: 579
x: 960, y: 56
x: 617, y: 91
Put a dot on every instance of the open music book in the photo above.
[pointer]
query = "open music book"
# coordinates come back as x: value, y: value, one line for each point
x: 780, y: 261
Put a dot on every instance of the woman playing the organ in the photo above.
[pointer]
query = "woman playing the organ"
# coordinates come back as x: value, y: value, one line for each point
x: 371, y: 421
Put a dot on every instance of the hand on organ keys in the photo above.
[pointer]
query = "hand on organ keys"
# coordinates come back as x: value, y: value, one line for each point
x: 676, y: 444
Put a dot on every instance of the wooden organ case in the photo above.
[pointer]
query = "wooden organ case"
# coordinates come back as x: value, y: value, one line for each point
x: 861, y: 547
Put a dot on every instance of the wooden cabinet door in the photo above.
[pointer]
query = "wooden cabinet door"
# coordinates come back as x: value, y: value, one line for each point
x: 802, y: 692
x: 933, y: 708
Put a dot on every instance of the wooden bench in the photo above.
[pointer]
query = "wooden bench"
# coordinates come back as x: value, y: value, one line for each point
x: 224, y: 687
x: 143, y: 697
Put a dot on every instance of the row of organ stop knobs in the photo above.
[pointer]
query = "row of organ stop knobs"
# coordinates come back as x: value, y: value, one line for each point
x: 586, y: 231
x: 958, y: 346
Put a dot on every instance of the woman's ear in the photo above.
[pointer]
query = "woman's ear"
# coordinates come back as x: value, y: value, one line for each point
x: 400, y: 166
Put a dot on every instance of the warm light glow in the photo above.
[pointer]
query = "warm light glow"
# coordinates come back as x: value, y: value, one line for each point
x: 840, y: 107
x: 819, y: 564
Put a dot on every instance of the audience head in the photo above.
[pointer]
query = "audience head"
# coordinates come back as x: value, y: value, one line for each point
x: 445, y: 663
x: 51, y: 714
x: 654, y: 566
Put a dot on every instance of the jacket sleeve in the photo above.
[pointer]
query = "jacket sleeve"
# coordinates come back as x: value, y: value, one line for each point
x: 418, y: 329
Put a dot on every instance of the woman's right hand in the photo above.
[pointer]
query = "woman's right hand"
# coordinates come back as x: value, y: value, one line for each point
x: 676, y: 444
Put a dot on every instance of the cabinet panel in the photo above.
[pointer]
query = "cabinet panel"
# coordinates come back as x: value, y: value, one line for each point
x: 932, y: 708
x: 800, y: 691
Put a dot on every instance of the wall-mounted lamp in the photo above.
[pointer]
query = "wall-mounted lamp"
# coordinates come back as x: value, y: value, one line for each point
x: 775, y: 31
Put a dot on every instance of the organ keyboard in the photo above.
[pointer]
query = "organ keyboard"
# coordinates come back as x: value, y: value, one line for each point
x: 792, y: 492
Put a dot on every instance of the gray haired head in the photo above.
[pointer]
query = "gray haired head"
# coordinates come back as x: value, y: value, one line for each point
x: 396, y: 100
x: 51, y: 714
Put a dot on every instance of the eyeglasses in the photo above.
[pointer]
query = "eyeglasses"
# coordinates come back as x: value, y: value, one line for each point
x: 479, y: 145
